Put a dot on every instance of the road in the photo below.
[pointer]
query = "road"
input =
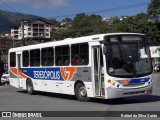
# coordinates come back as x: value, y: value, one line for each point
x: 12, y: 99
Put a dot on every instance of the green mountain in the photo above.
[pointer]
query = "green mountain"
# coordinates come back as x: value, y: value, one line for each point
x: 8, y: 19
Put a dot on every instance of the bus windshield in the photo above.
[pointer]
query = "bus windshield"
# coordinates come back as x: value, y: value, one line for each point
x: 127, y: 56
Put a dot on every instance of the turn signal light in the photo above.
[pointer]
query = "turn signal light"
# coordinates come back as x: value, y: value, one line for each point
x: 124, y: 82
x: 109, y: 81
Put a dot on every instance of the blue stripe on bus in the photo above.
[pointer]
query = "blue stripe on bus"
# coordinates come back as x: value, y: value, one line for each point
x: 43, y: 73
x: 138, y: 80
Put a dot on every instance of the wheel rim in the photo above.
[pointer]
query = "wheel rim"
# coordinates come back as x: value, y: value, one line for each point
x: 82, y: 92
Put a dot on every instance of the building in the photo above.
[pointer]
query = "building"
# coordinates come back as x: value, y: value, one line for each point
x: 36, y: 29
x: 110, y: 20
x: 65, y: 24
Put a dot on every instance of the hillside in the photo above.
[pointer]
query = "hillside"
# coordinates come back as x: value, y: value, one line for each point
x: 8, y: 19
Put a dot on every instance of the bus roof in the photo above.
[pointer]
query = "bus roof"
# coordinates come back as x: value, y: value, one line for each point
x: 91, y: 38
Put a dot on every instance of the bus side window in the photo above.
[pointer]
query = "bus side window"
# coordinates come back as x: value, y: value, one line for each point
x: 47, y: 56
x: 62, y: 54
x: 82, y: 61
x: 35, y: 57
x: 66, y: 61
x: 75, y: 60
x: 12, y: 59
x: 25, y: 55
x: 80, y: 53
x: 58, y: 61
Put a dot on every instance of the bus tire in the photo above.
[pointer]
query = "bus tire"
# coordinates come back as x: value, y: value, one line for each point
x: 29, y: 86
x: 81, y: 92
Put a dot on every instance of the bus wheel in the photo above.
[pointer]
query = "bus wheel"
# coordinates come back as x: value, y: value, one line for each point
x: 30, y: 89
x: 81, y: 92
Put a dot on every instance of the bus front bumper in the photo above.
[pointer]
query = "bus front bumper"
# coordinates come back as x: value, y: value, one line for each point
x: 121, y: 92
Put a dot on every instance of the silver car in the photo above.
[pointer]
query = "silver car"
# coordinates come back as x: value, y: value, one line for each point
x: 5, y: 78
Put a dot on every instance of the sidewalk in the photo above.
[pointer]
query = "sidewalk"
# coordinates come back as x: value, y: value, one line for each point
x: 156, y: 74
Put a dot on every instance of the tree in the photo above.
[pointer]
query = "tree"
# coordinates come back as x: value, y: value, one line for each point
x: 81, y: 24
x: 138, y: 24
x: 154, y: 9
x: 88, y: 24
x: 53, y: 21
x: 67, y: 20
x: 98, y: 26
x: 64, y: 33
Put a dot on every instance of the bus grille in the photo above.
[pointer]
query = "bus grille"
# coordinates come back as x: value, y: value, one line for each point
x: 134, y: 85
x: 132, y: 93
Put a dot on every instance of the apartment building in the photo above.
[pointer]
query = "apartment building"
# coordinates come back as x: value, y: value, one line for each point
x: 36, y: 29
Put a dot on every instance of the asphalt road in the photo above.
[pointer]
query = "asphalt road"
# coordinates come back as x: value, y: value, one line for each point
x: 12, y: 99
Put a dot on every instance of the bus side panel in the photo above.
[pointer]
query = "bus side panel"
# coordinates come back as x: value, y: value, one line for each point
x: 23, y: 85
x: 67, y: 86
x: 89, y: 87
x: 59, y: 79
x: 13, y: 79
x: 83, y: 74
x: 38, y: 85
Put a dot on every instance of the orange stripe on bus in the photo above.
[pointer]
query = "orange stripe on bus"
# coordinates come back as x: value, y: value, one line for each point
x: 15, y: 71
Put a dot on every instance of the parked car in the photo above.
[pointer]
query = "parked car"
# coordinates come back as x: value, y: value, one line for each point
x: 5, y: 78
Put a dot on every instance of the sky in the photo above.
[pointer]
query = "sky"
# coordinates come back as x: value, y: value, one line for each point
x: 58, y: 9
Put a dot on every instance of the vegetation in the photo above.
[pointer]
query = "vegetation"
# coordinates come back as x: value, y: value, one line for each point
x: 82, y: 24
x: 154, y: 9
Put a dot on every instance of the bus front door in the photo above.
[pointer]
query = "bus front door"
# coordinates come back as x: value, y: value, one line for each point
x: 19, y: 78
x: 97, y: 67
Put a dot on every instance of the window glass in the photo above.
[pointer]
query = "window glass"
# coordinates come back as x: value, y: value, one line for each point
x: 80, y: 54
x: 29, y: 29
x: 25, y: 58
x: 35, y: 57
x: 125, y: 60
x: 12, y: 59
x: 29, y: 25
x: 47, y: 25
x: 29, y: 33
x: 62, y: 55
x: 47, y: 56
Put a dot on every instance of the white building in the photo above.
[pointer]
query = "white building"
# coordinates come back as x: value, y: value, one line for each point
x: 32, y: 29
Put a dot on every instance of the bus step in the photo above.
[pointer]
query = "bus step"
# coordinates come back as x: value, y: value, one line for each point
x: 102, y: 97
x: 20, y: 88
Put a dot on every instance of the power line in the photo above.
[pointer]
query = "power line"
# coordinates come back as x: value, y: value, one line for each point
x: 91, y: 12
x: 17, y: 13
x: 104, y: 10
x: 5, y: 11
x: 8, y: 6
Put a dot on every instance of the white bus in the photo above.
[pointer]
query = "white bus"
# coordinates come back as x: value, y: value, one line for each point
x: 99, y: 66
